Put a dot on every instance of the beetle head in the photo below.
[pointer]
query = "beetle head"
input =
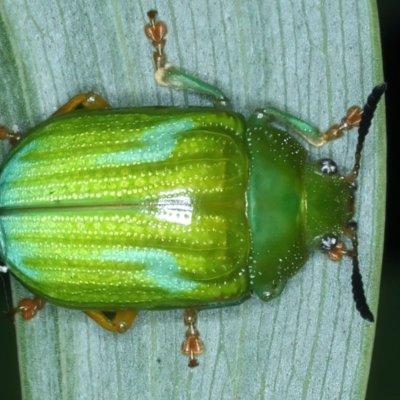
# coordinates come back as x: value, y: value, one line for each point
x: 330, y: 205
x: 329, y: 201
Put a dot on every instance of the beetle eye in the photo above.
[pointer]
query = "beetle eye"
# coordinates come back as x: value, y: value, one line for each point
x: 328, y: 166
x: 329, y: 242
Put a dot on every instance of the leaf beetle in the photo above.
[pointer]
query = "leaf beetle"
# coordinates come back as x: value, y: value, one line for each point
x: 156, y: 208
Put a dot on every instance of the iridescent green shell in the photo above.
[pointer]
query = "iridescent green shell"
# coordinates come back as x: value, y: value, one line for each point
x: 138, y: 208
x: 158, y: 208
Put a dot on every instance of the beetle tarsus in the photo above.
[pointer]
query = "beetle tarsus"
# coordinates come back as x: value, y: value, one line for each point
x: 28, y: 308
x: 167, y: 75
x: 351, y: 120
x: 156, y: 31
x: 193, y: 345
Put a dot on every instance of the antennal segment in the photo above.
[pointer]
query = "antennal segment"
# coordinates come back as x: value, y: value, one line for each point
x: 356, y: 280
x: 365, y: 123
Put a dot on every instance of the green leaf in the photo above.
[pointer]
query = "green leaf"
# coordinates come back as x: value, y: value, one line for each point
x: 311, y: 58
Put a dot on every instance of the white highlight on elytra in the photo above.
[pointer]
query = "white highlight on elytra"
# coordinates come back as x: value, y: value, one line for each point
x: 176, y: 209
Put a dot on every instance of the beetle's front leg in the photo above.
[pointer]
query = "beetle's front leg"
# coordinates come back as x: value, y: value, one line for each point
x: 90, y: 101
x: 169, y: 76
x: 121, y: 322
x: 193, y: 345
x: 307, y: 131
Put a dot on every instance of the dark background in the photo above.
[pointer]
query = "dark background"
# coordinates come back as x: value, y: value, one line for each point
x: 385, y: 368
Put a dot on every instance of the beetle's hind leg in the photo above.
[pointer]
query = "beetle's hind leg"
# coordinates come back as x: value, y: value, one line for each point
x: 307, y: 131
x: 171, y: 77
x: 121, y: 322
x: 5, y: 134
x: 89, y: 101
x: 193, y: 345
x: 27, y: 308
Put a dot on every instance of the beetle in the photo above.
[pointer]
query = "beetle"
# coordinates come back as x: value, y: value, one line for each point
x: 164, y: 207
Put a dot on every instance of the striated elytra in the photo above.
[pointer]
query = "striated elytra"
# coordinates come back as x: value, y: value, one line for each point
x: 119, y: 210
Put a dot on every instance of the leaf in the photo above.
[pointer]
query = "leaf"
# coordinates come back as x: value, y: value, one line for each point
x: 311, y: 58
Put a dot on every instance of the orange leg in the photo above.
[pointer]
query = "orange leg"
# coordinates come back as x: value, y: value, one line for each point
x: 351, y: 120
x: 28, y: 308
x: 193, y: 345
x: 90, y: 101
x: 121, y: 322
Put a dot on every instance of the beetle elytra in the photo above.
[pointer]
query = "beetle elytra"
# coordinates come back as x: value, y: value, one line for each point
x: 156, y: 208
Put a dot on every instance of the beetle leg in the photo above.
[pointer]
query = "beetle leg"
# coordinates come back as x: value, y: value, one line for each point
x: 28, y: 308
x: 171, y: 77
x: 307, y: 131
x: 5, y: 134
x: 90, y: 100
x: 121, y: 322
x: 193, y: 345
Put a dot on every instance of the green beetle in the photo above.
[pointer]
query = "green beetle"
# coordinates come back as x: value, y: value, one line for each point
x: 157, y: 208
